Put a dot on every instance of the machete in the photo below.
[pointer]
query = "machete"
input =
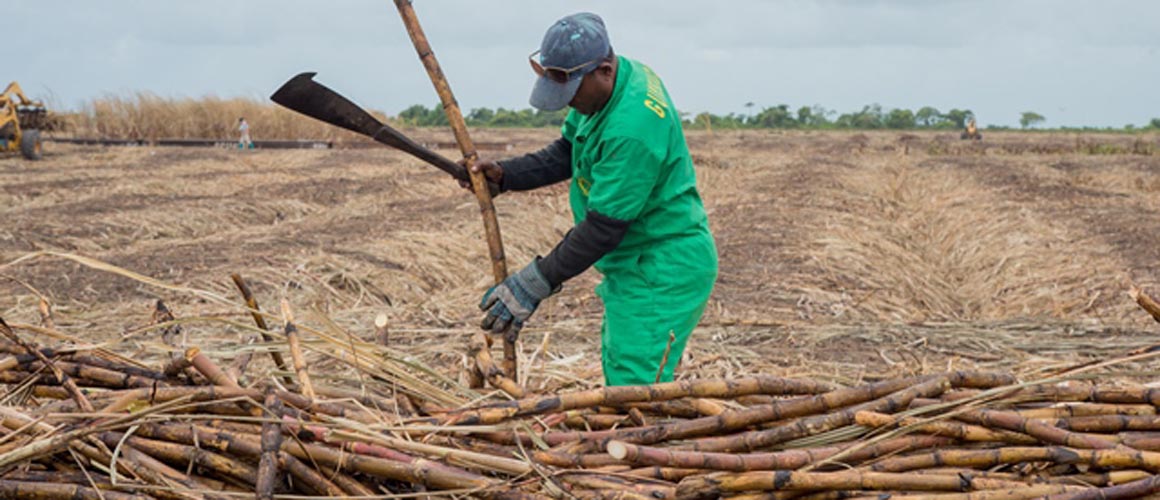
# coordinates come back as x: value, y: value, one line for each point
x: 313, y: 99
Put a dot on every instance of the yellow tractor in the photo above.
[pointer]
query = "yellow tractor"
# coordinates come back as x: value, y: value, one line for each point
x: 21, y: 120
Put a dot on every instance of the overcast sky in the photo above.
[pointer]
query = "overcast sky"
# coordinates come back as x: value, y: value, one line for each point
x: 1076, y: 62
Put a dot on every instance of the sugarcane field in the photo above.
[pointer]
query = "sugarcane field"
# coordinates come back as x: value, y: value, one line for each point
x: 614, y: 295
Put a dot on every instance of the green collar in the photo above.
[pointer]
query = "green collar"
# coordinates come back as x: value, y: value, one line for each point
x: 623, y: 73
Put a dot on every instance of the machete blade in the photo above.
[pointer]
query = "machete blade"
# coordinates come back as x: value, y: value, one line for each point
x: 304, y: 95
x: 313, y: 99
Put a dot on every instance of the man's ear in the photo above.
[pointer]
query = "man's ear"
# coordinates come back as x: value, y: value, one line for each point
x: 605, y: 69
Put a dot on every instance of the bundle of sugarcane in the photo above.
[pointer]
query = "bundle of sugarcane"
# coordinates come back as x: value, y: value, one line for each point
x: 85, y: 422
x: 95, y: 427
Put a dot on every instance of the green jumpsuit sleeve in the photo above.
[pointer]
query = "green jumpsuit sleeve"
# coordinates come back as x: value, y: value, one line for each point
x: 624, y: 178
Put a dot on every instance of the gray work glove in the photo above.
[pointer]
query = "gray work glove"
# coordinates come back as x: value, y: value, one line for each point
x: 511, y: 303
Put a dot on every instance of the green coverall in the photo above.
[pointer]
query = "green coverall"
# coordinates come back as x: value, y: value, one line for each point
x: 630, y: 162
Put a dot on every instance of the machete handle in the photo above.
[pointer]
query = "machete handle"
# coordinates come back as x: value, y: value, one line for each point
x: 394, y: 138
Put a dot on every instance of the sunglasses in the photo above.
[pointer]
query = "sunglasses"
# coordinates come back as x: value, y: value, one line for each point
x: 553, y: 73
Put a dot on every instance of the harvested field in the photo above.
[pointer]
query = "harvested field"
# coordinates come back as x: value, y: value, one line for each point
x: 842, y: 255
x: 877, y: 270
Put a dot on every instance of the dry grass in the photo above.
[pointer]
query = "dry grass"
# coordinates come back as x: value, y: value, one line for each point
x: 842, y: 257
x: 146, y: 116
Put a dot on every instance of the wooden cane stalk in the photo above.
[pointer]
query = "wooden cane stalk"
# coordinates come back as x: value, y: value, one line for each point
x: 46, y: 314
x: 9, y: 363
x: 1112, y: 459
x: 1086, y: 410
x: 665, y: 357
x: 1048, y: 434
x: 638, y: 487
x: 24, y: 490
x: 71, y: 386
x: 1147, y: 303
x: 808, y: 426
x: 1109, y: 478
x: 477, y: 348
x: 441, y: 478
x: 467, y: 147
x: 268, y: 465
x: 210, y: 370
x: 116, y: 366
x: 342, y: 480
x: 594, y: 421
x: 717, y: 484
x: 1106, y: 423
x: 176, y: 366
x: 1086, y: 392
x: 739, y: 419
x: 956, y: 430
x: 382, y: 332
x: 60, y: 476
x: 100, y: 377
x: 788, y: 459
x: 153, y: 471
x: 259, y: 320
x: 235, y: 443
x: 670, y: 474
x: 1023, y: 492
x: 296, y: 356
x: 387, y: 448
x: 620, y: 395
x: 1135, y: 489
x: 207, y: 394
x: 49, y: 392
x: 567, y: 460
x: 173, y: 452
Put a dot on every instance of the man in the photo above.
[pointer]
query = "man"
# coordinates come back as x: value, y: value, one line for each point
x: 639, y: 218
x: 244, y: 141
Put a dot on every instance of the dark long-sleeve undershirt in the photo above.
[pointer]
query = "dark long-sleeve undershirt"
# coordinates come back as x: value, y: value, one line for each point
x: 586, y: 243
x: 544, y: 167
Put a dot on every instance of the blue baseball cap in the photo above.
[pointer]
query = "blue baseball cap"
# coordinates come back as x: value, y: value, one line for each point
x: 577, y: 41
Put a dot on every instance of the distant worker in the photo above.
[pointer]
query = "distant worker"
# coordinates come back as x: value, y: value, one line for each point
x: 244, y: 141
x: 639, y: 218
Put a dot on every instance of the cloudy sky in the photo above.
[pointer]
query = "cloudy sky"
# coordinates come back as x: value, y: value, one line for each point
x: 1076, y: 62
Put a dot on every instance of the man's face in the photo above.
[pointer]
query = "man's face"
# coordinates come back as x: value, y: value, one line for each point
x: 595, y: 89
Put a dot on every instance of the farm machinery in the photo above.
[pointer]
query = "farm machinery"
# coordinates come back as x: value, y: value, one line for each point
x: 21, y: 121
x: 972, y: 131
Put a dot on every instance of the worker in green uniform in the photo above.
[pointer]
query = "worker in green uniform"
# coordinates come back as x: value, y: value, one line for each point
x: 639, y: 218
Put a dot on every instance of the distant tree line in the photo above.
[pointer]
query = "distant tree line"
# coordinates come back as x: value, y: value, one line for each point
x: 870, y: 117
x: 421, y: 116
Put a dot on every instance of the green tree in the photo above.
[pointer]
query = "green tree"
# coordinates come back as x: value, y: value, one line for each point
x: 928, y: 116
x: 480, y: 117
x: 1155, y: 123
x: 1030, y: 119
x: 805, y: 116
x: 774, y: 117
x: 900, y: 119
x: 414, y: 115
x: 870, y: 117
x: 549, y: 118
x: 957, y: 118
